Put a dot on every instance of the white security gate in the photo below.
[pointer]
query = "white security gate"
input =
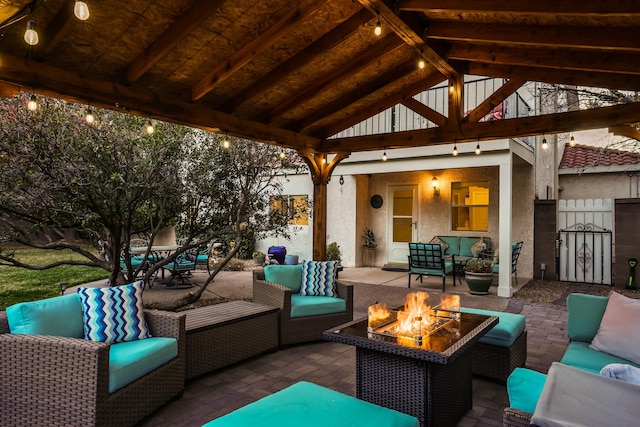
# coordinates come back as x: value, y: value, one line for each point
x: 585, y: 240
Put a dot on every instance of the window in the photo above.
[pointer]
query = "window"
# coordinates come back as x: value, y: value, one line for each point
x: 470, y: 206
x: 296, y: 208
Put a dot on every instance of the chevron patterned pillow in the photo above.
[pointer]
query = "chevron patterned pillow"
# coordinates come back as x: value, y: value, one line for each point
x: 113, y: 315
x: 319, y: 278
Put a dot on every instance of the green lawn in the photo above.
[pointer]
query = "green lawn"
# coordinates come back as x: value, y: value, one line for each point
x: 19, y: 284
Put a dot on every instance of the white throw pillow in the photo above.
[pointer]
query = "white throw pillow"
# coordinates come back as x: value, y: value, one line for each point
x: 619, y: 334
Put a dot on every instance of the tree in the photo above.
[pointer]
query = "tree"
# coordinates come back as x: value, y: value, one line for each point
x: 110, y: 181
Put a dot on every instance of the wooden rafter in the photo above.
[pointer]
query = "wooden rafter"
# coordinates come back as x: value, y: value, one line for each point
x: 412, y: 36
x: 630, y: 131
x: 562, y: 58
x: 386, y: 46
x: 496, y: 129
x: 493, y: 100
x: 569, y: 7
x: 58, y: 28
x: 180, y: 28
x: 426, y: 112
x: 287, y: 23
x: 315, y: 49
x: 614, y: 38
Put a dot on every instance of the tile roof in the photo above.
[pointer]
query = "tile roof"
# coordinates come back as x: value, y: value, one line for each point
x: 583, y: 155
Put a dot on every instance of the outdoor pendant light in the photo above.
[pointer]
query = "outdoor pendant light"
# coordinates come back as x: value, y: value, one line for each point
x: 32, y: 105
x: 384, y: 156
x: 544, y: 143
x: 378, y: 30
x: 572, y: 141
x: 31, y: 35
x: 478, y: 148
x: 81, y: 10
x: 455, y: 148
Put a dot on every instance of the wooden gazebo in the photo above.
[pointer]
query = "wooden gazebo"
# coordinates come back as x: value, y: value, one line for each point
x: 296, y: 72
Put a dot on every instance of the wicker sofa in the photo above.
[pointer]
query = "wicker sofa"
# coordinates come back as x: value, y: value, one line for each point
x: 51, y: 380
x: 299, y: 329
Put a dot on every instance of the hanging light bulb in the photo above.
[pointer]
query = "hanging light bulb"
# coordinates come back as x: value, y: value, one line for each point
x: 31, y: 35
x: 89, y: 117
x: 421, y: 64
x: 478, y: 148
x: 225, y: 143
x: 282, y: 155
x: 378, y: 30
x: 32, y: 105
x: 81, y: 10
x: 455, y: 148
x: 384, y: 156
x: 149, y: 128
x: 544, y: 143
x: 572, y: 141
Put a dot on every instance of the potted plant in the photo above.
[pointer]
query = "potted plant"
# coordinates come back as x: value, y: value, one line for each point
x: 258, y: 258
x: 479, y: 275
x: 334, y: 253
x: 369, y: 239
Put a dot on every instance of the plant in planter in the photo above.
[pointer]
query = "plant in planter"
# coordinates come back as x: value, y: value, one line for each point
x: 369, y: 239
x: 334, y: 253
x: 479, y: 275
x: 258, y: 258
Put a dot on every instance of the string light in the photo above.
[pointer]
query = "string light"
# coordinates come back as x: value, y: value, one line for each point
x: 544, y: 143
x: 384, y: 156
x: 226, y: 143
x: 478, y: 148
x: 282, y: 155
x: 572, y: 141
x: 378, y: 30
x: 421, y: 64
x: 81, y: 10
x: 89, y: 117
x: 31, y: 35
x: 150, y: 128
x: 32, y: 105
x: 455, y: 148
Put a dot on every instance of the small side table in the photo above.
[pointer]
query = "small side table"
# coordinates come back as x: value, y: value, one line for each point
x: 369, y: 254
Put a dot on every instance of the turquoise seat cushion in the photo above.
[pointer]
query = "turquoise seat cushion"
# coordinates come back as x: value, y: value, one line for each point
x: 524, y: 387
x: 306, y: 305
x: 508, y: 329
x: 579, y: 355
x: 448, y: 268
x: 59, y: 316
x: 285, y: 275
x: 130, y: 360
x: 454, y: 244
x: 465, y: 245
x: 584, y: 315
x: 310, y: 405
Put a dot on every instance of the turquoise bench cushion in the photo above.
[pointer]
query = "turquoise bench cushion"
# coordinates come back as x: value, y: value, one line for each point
x: 584, y: 315
x: 310, y: 405
x: 59, y: 316
x: 285, y: 275
x: 524, y: 387
x: 130, y: 360
x: 579, y: 355
x: 505, y: 333
x: 306, y: 305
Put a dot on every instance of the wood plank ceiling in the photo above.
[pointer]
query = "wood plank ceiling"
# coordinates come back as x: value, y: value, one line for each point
x: 295, y: 72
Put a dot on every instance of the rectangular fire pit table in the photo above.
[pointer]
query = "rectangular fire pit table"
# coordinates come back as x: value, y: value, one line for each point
x: 432, y: 382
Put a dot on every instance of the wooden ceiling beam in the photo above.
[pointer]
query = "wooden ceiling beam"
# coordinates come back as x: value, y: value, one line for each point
x: 548, y: 75
x: 494, y: 100
x: 174, y: 34
x: 497, y: 129
x: 588, y: 37
x: 284, y: 25
x: 629, y: 131
x: 564, y: 7
x: 358, y: 93
x: 426, y: 112
x: 51, y: 81
x: 315, y: 49
x: 388, y: 102
x: 58, y: 27
x: 411, y: 35
x: 563, y: 59
x: 387, y: 45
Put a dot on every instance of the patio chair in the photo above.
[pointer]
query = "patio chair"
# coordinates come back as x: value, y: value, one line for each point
x: 426, y: 259
x: 516, y: 247
x: 181, y: 268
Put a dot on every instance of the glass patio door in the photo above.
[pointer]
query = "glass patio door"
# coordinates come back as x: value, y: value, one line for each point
x: 403, y: 221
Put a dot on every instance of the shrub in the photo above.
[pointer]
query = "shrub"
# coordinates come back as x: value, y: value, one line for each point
x: 477, y: 265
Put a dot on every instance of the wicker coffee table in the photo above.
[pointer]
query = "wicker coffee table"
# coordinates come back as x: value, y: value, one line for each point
x: 434, y: 384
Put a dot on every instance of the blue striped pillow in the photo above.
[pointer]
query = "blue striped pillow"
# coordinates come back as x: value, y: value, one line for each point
x: 113, y: 315
x: 319, y: 278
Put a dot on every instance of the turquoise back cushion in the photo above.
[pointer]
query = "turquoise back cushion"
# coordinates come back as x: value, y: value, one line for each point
x: 285, y: 275
x: 524, y: 387
x: 59, y: 316
x: 584, y: 314
x: 454, y: 244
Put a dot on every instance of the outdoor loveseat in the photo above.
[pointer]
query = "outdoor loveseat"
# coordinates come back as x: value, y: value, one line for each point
x: 50, y: 375
x: 602, y: 331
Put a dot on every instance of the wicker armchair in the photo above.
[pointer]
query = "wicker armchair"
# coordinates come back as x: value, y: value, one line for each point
x: 299, y: 329
x: 56, y: 381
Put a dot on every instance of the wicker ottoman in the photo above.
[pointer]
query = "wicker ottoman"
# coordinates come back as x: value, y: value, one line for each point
x: 310, y: 405
x: 503, y: 348
x: 222, y: 334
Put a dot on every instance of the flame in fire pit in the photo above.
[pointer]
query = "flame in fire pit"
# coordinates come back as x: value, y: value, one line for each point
x: 416, y: 316
x: 449, y: 302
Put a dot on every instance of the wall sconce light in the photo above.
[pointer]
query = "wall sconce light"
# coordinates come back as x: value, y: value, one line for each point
x: 435, y: 184
x: 341, y: 180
